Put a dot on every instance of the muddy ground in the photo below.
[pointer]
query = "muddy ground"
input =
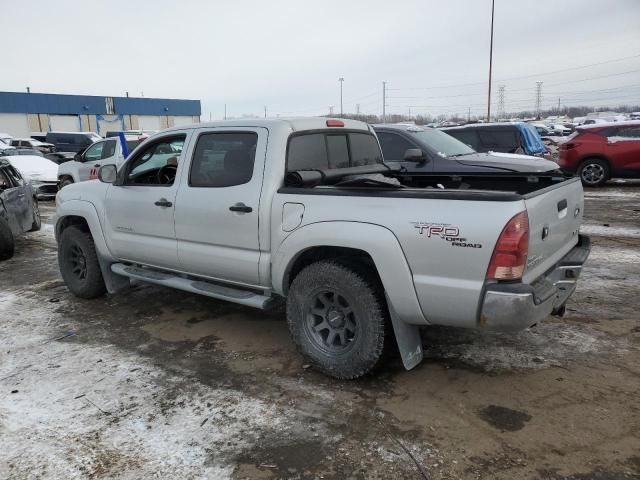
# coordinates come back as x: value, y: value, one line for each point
x: 155, y: 383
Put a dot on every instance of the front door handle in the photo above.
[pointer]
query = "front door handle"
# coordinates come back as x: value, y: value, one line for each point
x: 97, y: 165
x: 163, y: 202
x: 241, y: 207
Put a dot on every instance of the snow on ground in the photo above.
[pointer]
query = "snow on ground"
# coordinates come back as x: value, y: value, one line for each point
x: 94, y: 409
x: 611, y: 231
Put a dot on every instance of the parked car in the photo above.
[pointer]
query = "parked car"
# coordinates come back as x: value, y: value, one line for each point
x: 84, y: 166
x: 543, y: 130
x: 429, y: 150
x: 39, y: 171
x: 4, y: 147
x: 602, y: 151
x: 634, y: 115
x: 72, y: 141
x: 5, y: 138
x: 314, y: 215
x: 33, y: 144
x: 560, y: 129
x: 19, y: 211
x: 507, y: 137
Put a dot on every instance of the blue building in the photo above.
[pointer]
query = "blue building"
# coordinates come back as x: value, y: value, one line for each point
x: 23, y: 113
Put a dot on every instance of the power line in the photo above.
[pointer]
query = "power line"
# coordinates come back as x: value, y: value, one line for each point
x: 521, y: 76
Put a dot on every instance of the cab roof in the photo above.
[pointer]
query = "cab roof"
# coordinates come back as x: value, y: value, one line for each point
x: 294, y: 123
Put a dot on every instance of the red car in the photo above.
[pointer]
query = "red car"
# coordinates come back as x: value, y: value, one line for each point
x: 602, y: 151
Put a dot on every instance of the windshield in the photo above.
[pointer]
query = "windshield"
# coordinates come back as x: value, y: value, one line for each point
x: 441, y: 142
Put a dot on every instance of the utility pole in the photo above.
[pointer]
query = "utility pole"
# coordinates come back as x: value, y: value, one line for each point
x: 538, y: 98
x: 225, y: 111
x: 501, y: 101
x: 265, y: 111
x: 493, y: 4
x: 469, y: 115
x: 28, y: 89
x: 341, y: 80
x: 558, y: 104
x: 210, y: 116
x: 357, y: 108
x: 330, y: 110
x: 384, y: 102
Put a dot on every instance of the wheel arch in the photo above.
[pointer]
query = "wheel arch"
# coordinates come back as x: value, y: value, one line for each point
x: 369, y: 244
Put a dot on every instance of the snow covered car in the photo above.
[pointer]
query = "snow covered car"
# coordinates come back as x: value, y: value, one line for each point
x: 41, y: 172
x: 19, y: 211
x: 33, y: 143
x: 505, y: 137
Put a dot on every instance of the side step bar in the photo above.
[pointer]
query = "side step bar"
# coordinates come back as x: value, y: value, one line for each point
x: 166, y: 279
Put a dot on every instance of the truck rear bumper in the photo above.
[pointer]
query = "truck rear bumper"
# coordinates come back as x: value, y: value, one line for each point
x: 516, y: 306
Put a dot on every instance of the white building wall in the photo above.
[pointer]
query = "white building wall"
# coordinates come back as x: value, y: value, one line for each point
x: 64, y: 123
x: 15, y: 124
x: 148, y: 122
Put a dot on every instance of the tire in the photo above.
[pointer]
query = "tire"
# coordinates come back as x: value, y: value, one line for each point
x: 37, y: 221
x: 338, y: 319
x: 78, y: 262
x: 64, y: 181
x: 593, y: 172
x: 7, y: 243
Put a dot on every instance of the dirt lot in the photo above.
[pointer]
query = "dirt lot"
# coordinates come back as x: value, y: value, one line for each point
x: 163, y: 384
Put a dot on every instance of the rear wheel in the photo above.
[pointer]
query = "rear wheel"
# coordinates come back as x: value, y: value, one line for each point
x: 593, y: 172
x: 37, y: 221
x: 337, y: 318
x: 7, y: 245
x: 79, y: 265
x: 64, y: 181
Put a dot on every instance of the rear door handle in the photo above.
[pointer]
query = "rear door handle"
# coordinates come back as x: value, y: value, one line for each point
x: 241, y: 207
x: 163, y: 202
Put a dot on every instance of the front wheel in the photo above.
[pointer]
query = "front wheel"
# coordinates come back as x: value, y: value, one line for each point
x: 593, y: 172
x: 337, y: 319
x: 78, y: 262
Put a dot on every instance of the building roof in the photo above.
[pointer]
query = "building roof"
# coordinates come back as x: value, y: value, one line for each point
x: 51, y: 103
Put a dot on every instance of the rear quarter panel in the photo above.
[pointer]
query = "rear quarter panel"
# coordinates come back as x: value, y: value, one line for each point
x: 447, y: 243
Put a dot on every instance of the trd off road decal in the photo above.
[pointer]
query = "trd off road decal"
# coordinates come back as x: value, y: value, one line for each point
x: 93, y: 174
x: 445, y: 231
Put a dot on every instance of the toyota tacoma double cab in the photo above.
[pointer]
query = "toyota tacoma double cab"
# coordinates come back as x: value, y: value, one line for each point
x: 255, y: 211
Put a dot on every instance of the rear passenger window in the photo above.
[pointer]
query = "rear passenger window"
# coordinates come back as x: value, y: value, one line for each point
x: 223, y: 159
x: 629, y: 132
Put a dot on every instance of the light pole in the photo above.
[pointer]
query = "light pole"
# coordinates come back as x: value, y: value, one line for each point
x: 341, y: 80
x: 493, y: 4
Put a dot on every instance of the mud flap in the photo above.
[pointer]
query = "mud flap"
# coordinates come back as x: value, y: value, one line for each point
x: 112, y: 281
x: 408, y: 340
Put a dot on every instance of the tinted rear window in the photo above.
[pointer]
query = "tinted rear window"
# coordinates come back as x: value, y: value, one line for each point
x: 322, y: 151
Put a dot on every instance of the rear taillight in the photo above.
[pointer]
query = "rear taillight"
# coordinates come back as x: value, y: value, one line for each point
x: 510, y: 253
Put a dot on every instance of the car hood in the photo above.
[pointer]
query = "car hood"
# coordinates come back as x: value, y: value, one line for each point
x: 508, y: 161
x: 34, y: 168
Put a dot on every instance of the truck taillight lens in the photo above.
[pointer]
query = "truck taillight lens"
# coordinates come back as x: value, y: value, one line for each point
x: 510, y: 254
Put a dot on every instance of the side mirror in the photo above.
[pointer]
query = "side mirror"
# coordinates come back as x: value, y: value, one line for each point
x: 107, y: 173
x: 414, y: 155
x: 78, y: 157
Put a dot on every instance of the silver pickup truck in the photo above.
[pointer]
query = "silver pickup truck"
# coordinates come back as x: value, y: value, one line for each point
x: 254, y: 211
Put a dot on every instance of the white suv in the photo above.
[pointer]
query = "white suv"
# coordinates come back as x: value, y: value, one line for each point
x: 85, y: 164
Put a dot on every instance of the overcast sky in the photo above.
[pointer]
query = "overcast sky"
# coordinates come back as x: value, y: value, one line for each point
x: 288, y: 55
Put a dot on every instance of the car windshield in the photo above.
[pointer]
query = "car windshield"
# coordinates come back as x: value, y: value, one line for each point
x: 441, y: 142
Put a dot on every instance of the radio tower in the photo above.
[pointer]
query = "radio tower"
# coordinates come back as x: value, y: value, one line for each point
x: 538, y: 98
x: 501, y: 101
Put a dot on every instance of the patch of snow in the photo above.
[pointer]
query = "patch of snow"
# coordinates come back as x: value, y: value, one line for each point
x: 602, y: 231
x: 622, y: 139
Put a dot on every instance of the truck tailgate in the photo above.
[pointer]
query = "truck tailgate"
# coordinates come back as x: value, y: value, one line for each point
x: 555, y: 214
